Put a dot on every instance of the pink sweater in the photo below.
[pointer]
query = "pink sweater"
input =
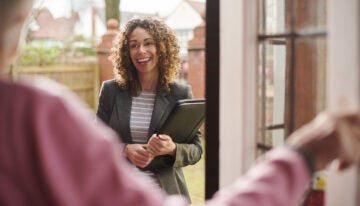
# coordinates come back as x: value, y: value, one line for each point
x: 280, y: 179
x: 51, y: 153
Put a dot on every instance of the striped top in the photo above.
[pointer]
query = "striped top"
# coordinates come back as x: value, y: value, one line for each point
x: 141, y: 112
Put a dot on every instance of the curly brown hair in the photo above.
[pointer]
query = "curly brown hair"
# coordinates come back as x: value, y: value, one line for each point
x: 167, y: 48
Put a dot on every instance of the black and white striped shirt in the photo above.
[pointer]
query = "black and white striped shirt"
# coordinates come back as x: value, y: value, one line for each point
x: 141, y: 112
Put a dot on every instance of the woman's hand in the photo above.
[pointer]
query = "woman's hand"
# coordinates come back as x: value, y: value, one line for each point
x: 138, y: 154
x: 161, y: 145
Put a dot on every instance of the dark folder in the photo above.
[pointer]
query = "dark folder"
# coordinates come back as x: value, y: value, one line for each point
x: 181, y: 125
x: 184, y: 120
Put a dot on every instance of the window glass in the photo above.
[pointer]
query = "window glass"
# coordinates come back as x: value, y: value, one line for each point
x: 310, y: 14
x: 272, y: 73
x: 310, y: 72
x: 291, y: 66
x: 272, y: 16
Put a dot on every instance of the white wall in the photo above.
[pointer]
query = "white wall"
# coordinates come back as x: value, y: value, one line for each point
x: 237, y: 87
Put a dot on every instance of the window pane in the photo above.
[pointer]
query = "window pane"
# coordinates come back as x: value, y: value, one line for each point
x: 310, y: 14
x: 310, y: 71
x: 271, y: 95
x: 291, y: 83
x: 272, y: 67
x: 272, y: 16
x: 275, y: 15
x: 278, y: 137
x: 273, y: 138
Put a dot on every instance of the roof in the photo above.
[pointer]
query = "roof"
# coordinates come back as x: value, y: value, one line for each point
x: 199, y: 6
x: 184, y: 17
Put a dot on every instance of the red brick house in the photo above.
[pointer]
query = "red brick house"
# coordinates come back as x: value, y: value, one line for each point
x: 54, y: 28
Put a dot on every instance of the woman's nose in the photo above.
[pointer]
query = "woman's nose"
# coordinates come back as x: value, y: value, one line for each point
x: 142, y: 48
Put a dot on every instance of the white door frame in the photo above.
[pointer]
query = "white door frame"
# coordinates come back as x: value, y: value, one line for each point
x: 343, y: 86
x: 238, y: 49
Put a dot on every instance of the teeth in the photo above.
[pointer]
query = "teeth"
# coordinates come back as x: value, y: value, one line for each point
x: 143, y: 60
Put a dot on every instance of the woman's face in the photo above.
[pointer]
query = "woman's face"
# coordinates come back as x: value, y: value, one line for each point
x: 142, y: 47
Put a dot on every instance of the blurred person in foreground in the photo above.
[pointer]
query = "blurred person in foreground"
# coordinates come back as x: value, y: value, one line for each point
x: 51, y: 153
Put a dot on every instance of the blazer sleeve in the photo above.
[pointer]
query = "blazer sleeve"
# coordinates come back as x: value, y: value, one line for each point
x: 188, y: 153
x: 105, y: 101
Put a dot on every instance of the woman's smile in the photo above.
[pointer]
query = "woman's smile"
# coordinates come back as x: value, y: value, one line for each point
x: 144, y: 60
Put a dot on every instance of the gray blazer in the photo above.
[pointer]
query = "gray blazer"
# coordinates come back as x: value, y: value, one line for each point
x: 114, y: 109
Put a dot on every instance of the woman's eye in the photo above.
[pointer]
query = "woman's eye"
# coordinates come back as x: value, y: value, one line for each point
x: 133, y: 46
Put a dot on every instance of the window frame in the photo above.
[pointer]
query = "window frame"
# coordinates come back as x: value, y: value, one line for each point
x: 297, y: 98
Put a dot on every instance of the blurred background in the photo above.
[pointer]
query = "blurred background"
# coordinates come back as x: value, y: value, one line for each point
x: 69, y: 41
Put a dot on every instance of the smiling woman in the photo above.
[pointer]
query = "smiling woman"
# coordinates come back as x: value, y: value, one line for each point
x: 138, y: 101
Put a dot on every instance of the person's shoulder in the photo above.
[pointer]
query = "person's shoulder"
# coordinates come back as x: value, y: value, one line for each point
x: 41, y: 92
x: 180, y: 90
x: 178, y: 86
x: 27, y: 101
x: 111, y: 84
x: 20, y: 91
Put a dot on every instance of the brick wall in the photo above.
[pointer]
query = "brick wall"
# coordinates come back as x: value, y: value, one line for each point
x: 196, y: 59
x: 104, y: 48
x: 57, y: 29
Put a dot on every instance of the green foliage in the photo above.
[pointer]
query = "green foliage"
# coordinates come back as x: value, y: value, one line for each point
x: 79, y: 37
x: 81, y: 47
x: 38, y: 52
x: 85, y: 51
x: 49, y: 52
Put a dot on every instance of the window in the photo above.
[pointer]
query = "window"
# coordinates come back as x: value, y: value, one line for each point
x: 291, y: 67
x: 184, y: 35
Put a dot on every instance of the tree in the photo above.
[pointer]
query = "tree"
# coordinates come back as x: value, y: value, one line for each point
x: 112, y: 9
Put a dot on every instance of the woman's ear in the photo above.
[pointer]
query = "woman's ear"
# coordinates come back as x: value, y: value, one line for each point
x: 20, y: 19
x: 16, y: 13
x: 13, y: 37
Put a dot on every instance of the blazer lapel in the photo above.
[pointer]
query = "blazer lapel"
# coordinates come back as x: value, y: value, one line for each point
x: 159, y: 111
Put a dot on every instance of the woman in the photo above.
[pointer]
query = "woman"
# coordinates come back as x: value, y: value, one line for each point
x: 136, y: 103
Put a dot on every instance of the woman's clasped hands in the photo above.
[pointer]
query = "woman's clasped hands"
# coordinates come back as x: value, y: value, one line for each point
x: 138, y: 154
x: 142, y: 154
x: 161, y: 145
